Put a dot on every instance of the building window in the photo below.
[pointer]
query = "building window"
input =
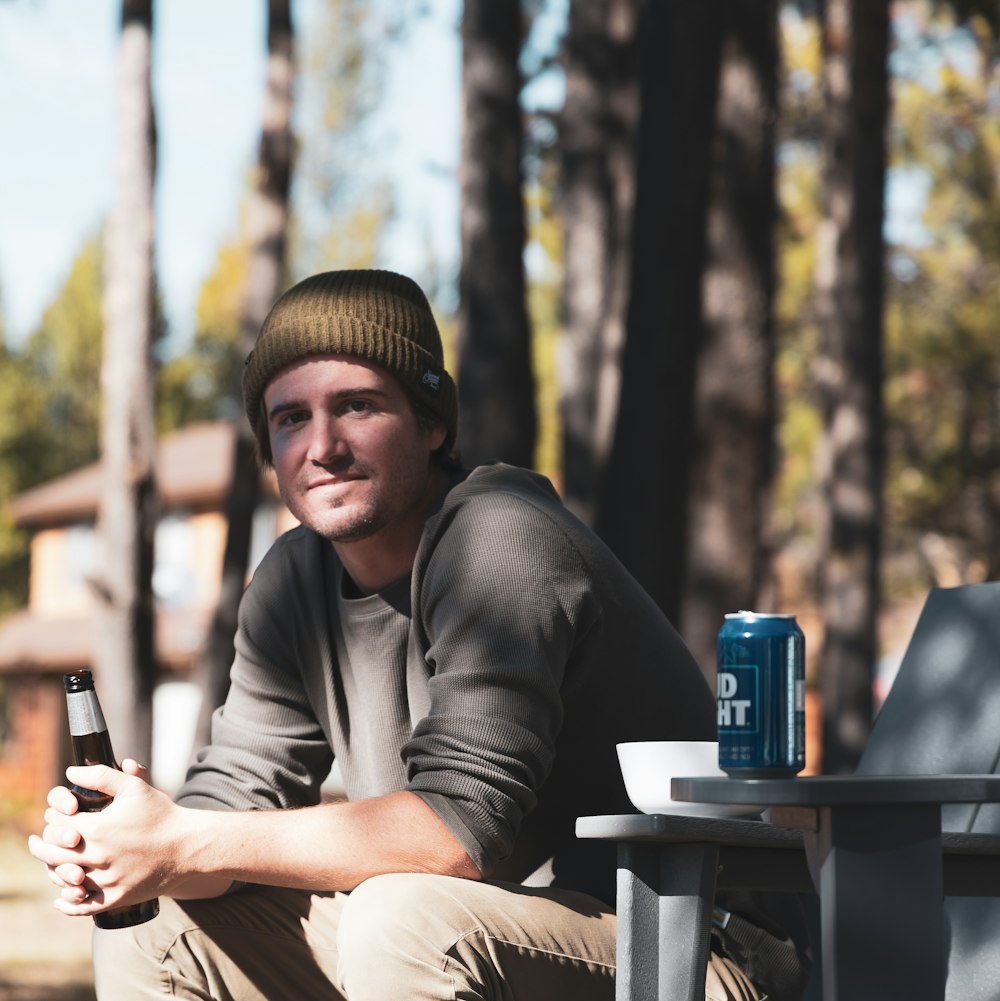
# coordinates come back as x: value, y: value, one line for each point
x: 265, y: 524
x: 81, y: 556
x: 175, y: 582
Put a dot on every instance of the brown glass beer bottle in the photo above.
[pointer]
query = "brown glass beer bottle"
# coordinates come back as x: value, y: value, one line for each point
x: 92, y: 746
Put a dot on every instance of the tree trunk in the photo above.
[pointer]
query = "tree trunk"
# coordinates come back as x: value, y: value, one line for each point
x: 598, y: 139
x: 643, y: 512
x: 734, y: 396
x: 850, y: 293
x: 266, y: 273
x: 127, y: 514
x: 495, y: 373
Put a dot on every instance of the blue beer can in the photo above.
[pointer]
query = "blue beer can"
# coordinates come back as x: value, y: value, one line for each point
x: 761, y: 695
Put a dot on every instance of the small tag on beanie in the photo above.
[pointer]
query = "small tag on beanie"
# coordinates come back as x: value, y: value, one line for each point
x: 431, y: 379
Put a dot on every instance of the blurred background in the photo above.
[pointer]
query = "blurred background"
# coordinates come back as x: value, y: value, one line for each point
x: 725, y: 270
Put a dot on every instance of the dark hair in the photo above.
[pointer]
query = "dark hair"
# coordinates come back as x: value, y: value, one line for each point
x: 446, y: 457
x: 264, y: 457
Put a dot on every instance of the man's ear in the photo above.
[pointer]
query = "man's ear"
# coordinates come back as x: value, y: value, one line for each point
x: 436, y: 436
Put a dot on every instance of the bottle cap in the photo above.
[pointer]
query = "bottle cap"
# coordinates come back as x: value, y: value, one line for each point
x: 79, y: 681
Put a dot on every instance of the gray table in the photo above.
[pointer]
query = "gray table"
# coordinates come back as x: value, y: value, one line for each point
x: 871, y: 846
x: 668, y: 869
x: 874, y: 850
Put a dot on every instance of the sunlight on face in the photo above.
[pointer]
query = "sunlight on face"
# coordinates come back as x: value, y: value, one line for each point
x: 350, y: 458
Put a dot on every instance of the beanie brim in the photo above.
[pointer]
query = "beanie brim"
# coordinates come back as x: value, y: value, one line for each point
x: 377, y: 316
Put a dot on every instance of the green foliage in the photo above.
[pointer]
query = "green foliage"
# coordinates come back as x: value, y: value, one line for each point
x: 18, y: 442
x: 342, y: 203
x: 982, y: 15
x: 49, y: 406
x: 796, y: 516
x: 61, y: 368
x: 201, y: 384
x: 942, y: 355
x: 943, y: 489
x: 544, y: 298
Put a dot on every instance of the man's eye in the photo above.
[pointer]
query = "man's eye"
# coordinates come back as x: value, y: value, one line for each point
x: 357, y: 406
x: 294, y: 417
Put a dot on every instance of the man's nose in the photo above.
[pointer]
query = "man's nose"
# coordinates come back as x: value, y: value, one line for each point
x: 326, y: 442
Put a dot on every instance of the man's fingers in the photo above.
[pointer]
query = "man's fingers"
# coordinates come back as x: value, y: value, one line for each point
x: 85, y: 908
x: 44, y: 852
x: 100, y: 778
x: 74, y: 894
x: 55, y: 855
x: 54, y: 876
x: 62, y: 800
x: 69, y: 874
x: 58, y: 833
x: 132, y: 767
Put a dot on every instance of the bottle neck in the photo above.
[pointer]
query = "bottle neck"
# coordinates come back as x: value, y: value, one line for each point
x: 84, y: 713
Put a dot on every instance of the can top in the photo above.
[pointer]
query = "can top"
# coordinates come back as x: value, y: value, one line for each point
x: 743, y: 614
x: 79, y: 681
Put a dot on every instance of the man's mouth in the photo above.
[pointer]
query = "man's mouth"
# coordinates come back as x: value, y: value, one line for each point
x: 340, y: 480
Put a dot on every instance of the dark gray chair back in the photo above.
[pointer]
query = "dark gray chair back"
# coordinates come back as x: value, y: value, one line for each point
x: 942, y: 716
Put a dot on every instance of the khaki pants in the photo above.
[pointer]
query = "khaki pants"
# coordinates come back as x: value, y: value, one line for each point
x: 396, y: 937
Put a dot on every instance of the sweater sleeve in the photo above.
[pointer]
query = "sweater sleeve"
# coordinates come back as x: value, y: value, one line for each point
x: 503, y: 599
x: 267, y: 748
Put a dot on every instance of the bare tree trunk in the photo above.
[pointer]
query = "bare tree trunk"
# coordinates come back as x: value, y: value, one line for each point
x: 268, y: 226
x: 127, y: 515
x: 643, y: 515
x: 598, y: 139
x: 495, y: 373
x: 850, y: 294
x: 734, y: 397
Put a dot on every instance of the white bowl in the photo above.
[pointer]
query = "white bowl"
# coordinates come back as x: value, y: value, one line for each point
x: 649, y: 765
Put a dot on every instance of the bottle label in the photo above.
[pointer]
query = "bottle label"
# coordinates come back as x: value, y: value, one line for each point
x: 85, y: 714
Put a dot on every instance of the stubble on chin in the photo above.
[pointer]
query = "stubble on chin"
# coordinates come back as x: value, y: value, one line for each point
x: 336, y: 522
x: 355, y: 530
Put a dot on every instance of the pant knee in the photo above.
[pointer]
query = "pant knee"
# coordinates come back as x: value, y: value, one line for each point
x: 397, y: 928
x: 127, y: 961
x: 393, y: 908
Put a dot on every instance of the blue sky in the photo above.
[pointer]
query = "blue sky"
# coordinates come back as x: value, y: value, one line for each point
x: 58, y: 66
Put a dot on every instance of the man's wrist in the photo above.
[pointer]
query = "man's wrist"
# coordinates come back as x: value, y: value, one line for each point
x: 200, y: 847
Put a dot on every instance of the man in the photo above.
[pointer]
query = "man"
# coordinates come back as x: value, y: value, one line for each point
x: 467, y: 651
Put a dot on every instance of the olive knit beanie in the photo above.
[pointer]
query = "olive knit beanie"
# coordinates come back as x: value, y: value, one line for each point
x: 376, y: 315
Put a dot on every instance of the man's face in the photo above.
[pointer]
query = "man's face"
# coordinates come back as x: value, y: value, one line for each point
x: 350, y: 458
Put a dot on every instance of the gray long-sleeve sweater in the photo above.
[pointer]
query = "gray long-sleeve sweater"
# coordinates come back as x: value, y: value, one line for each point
x: 494, y: 682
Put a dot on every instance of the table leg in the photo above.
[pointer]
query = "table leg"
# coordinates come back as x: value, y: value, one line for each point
x: 878, y: 872
x: 664, y: 905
